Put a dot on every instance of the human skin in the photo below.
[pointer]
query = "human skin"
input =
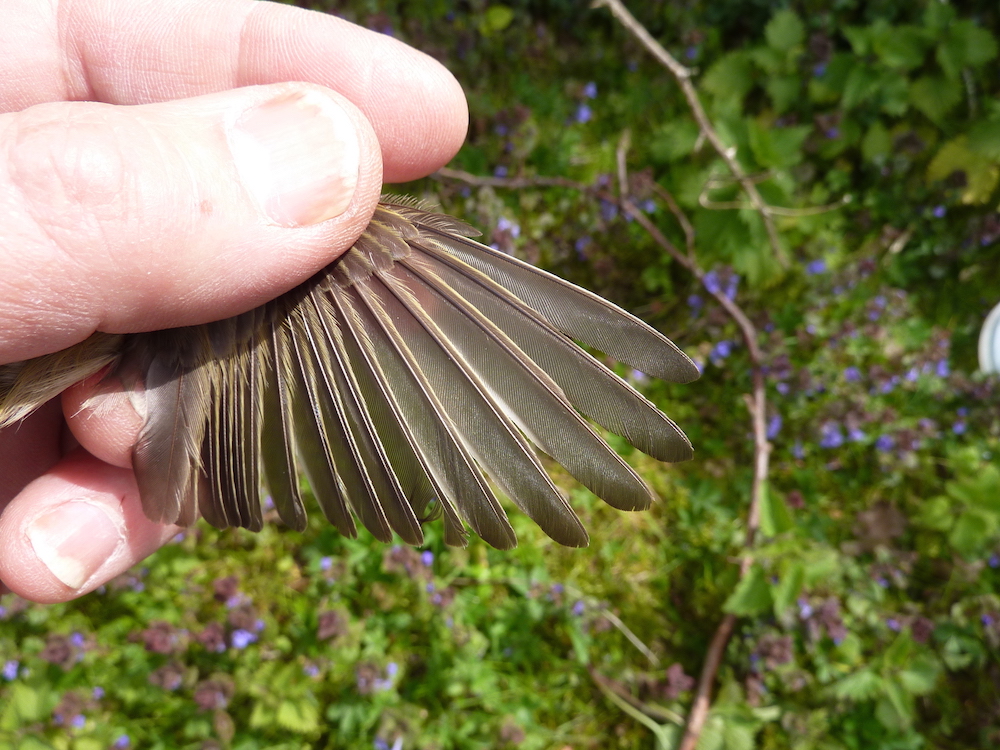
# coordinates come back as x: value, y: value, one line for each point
x: 254, y: 155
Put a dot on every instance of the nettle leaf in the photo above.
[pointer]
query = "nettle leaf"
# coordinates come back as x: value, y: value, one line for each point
x: 788, y: 588
x: 785, y: 30
x: 774, y: 516
x: 984, y: 138
x: 300, y: 715
x: 730, y: 77
x: 936, y: 513
x: 877, y: 142
x: 966, y: 45
x: 752, y: 595
x: 920, y: 677
x: 895, y: 709
x: 784, y: 91
x: 828, y: 86
x: 673, y: 140
x: 862, y: 84
x: 981, y: 175
x: 901, y: 47
x: 971, y: 532
x: 935, y: 96
x: 860, y: 38
x: 777, y: 147
x: 862, y: 685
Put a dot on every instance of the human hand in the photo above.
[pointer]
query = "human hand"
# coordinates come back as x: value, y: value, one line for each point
x: 123, y: 219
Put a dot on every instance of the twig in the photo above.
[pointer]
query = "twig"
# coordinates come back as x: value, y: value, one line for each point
x: 622, y: 163
x: 639, y: 710
x: 683, y: 76
x: 611, y: 617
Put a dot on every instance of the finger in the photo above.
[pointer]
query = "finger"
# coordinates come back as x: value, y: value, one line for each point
x: 169, y: 49
x: 74, y: 529
x: 103, y: 419
x: 122, y: 219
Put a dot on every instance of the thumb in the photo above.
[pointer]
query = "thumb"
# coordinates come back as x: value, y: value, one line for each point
x: 125, y: 219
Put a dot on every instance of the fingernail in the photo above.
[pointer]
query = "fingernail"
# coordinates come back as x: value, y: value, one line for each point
x: 74, y: 539
x: 298, y: 155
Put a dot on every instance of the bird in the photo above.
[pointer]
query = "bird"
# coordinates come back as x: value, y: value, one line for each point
x: 414, y: 378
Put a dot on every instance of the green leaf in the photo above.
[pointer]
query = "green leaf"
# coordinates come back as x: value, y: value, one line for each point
x: 877, y: 142
x: 495, y: 19
x: 785, y: 30
x: 774, y: 516
x: 936, y: 514
x: 301, y: 716
x: 895, y: 709
x: 730, y: 78
x: 966, y: 45
x: 981, y: 175
x: 935, y: 96
x: 788, y: 588
x: 938, y: 16
x: 900, y: 47
x: 784, y: 91
x: 860, y: 38
x: 777, y: 147
x: 920, y: 677
x: 862, y: 84
x: 861, y: 685
x: 969, y: 534
x: 752, y: 595
x: 673, y: 140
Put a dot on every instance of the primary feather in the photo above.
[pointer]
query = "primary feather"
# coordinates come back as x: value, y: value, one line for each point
x: 397, y: 379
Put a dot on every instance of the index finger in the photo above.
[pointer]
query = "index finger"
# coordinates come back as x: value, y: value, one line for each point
x: 170, y: 49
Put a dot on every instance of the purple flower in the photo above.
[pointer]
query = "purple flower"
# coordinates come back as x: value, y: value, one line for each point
x: 557, y: 589
x: 962, y: 411
x: 805, y: 609
x: 855, y: 435
x: 500, y: 171
x: 123, y: 741
x: 608, y: 210
x: 731, y: 285
x: 506, y: 225
x: 97, y: 692
x: 178, y: 537
x: 583, y: 113
x: 392, y: 669
x: 819, y: 70
x: 325, y: 563
x: 852, y: 374
x: 500, y: 129
x: 942, y: 369
x: 831, y: 435
x: 882, y: 581
x: 987, y: 620
x: 311, y: 670
x: 76, y: 638
x: 782, y: 388
x: 638, y: 376
x: 959, y: 427
x: 994, y: 561
x: 939, y: 212
x: 691, y: 52
x: 832, y: 133
x: 816, y: 267
x: 242, y: 638
x: 268, y: 502
x: 712, y: 283
x: 578, y: 608
x: 427, y: 558
x: 720, y: 351
x: 797, y: 450
x: 581, y: 246
x: 773, y: 426
x: 78, y: 721
x: 893, y: 624
x: 381, y: 744
x: 648, y: 206
x: 10, y: 669
x: 590, y: 90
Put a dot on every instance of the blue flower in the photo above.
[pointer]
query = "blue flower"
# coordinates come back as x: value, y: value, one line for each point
x: 392, y: 669
x: 578, y: 608
x: 10, y: 669
x: 691, y: 52
x: 427, y: 558
x: 123, y: 741
x: 773, y: 426
x: 97, y: 692
x: 639, y: 376
x: 78, y: 721
x: 816, y: 267
x: 500, y: 171
x: 819, y: 70
x: 506, y: 225
x: 987, y: 620
x: 855, y: 435
x: 325, y: 563
x: 939, y: 212
x: 500, y: 129
x: 942, y: 369
x: 590, y: 90
x: 959, y: 427
x: 805, y: 609
x: 712, y: 283
x: 583, y: 113
x: 852, y: 374
x: 242, y: 638
x: 581, y: 246
x: 831, y: 435
x: 311, y: 670
x: 76, y: 638
x: 695, y: 301
x: 608, y: 210
x: 894, y: 624
x: 731, y: 285
x: 720, y: 351
x: 797, y: 450
x: 885, y: 443
x: 782, y: 388
x: 832, y: 133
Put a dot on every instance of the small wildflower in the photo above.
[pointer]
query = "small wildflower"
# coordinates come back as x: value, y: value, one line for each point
x: 831, y: 435
x: 10, y: 669
x: 311, y: 670
x: 885, y: 443
x: 712, y: 283
x: 893, y: 624
x: 242, y: 638
x: 773, y: 426
x: 939, y: 212
x: 97, y: 692
x: 123, y: 741
x: 942, y: 369
x: 852, y: 374
x: 695, y: 302
x: 994, y: 561
x: 816, y: 267
x: 782, y: 388
x: 78, y: 721
x: 325, y: 563
x: 959, y: 427
x: 583, y: 113
x: 500, y: 171
x: 720, y: 351
x: 731, y: 286
x: 427, y: 558
x: 590, y: 90
x: 819, y: 70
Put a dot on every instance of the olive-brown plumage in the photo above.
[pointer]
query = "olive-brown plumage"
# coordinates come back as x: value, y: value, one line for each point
x: 405, y: 380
